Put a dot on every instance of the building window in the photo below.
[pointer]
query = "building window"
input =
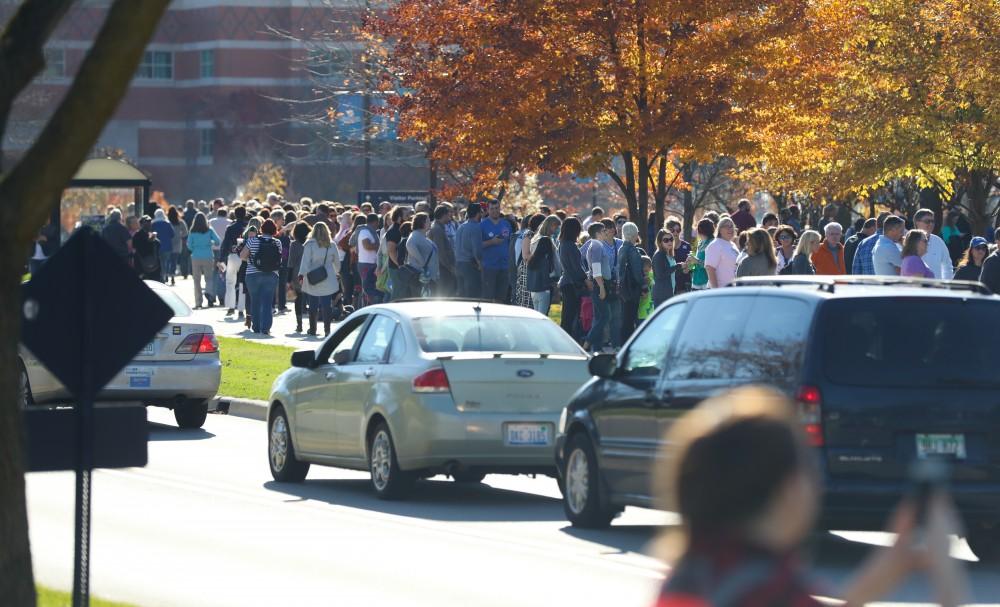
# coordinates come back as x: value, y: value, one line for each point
x: 208, y: 63
x: 157, y: 65
x: 55, y: 63
x: 206, y: 142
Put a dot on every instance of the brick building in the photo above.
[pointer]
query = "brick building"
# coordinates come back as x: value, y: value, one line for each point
x: 211, y: 99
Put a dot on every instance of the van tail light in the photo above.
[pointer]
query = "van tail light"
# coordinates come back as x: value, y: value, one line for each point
x: 431, y: 382
x: 198, y: 343
x: 809, y: 403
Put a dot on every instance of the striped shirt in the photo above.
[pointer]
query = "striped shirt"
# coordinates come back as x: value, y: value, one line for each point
x: 253, y: 243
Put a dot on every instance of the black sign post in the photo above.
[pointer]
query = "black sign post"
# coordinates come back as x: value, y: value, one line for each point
x: 85, y: 291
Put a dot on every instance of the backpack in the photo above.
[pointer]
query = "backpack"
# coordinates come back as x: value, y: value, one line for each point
x: 268, y: 256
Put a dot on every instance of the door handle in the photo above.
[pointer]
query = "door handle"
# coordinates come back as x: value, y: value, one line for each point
x: 369, y: 372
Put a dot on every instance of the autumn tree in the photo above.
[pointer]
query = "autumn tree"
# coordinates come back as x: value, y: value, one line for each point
x: 28, y: 188
x: 587, y: 86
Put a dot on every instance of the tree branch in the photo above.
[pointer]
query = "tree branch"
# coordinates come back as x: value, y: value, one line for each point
x: 34, y: 184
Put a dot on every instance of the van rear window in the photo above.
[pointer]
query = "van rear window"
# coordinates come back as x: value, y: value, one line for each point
x: 908, y: 342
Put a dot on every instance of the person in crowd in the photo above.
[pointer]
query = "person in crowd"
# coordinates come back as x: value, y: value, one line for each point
x: 801, y: 264
x: 829, y: 215
x: 165, y: 234
x: 699, y: 275
x: 741, y: 246
x: 665, y: 266
x: 521, y: 254
x: 189, y: 212
x: 146, y: 247
x: 937, y: 258
x: 220, y: 222
x: 116, y: 235
x: 631, y: 280
x: 721, y: 254
x: 242, y: 288
x: 366, y: 252
x: 300, y: 232
x: 743, y: 218
x: 596, y: 214
x: 979, y: 250
x: 468, y: 252
x: 851, y: 246
x: 599, y: 260
x: 760, y: 259
x: 496, y: 234
x: 682, y: 249
x: 317, y: 275
x: 886, y: 256
x: 393, y: 238
x: 439, y: 235
x: 864, y: 262
x: 829, y: 257
x: 543, y: 264
x: 201, y: 241
x: 915, y: 245
x: 422, y: 258
x: 770, y: 220
x: 794, y: 218
x: 574, y: 283
x: 951, y: 233
x: 282, y: 224
x: 229, y: 261
x: 613, y: 330
x: 646, y: 306
x: 784, y: 251
x: 262, y: 255
x: 990, y: 275
x: 179, y: 253
x: 740, y: 474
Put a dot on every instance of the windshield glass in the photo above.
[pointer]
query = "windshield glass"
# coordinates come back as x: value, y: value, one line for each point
x: 492, y: 334
x: 176, y: 303
x: 932, y: 343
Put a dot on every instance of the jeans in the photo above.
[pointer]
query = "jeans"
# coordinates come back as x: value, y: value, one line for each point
x: 168, y: 264
x: 261, y: 286
x: 571, y: 296
x: 367, y: 272
x: 396, y: 282
x: 613, y: 330
x: 630, y: 318
x: 233, y: 301
x: 470, y: 280
x: 322, y: 305
x: 282, y: 288
x: 203, y: 268
x: 495, y: 283
x: 541, y: 301
x: 602, y: 312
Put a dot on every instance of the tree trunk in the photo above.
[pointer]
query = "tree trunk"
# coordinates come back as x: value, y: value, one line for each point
x: 642, y: 217
x: 980, y: 184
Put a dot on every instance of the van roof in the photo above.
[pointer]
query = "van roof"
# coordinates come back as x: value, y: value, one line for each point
x: 831, y: 287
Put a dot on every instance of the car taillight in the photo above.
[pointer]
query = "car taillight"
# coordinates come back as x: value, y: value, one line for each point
x: 809, y: 403
x: 198, y: 343
x: 435, y: 380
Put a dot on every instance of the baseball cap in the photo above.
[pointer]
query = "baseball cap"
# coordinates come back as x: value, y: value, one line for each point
x: 978, y: 241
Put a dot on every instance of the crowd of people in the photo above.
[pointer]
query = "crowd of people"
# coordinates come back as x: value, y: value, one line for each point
x: 254, y: 258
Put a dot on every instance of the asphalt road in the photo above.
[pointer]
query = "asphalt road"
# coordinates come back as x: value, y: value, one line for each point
x: 204, y: 525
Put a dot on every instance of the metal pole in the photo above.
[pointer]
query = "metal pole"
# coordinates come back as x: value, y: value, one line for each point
x: 85, y: 438
x: 366, y: 110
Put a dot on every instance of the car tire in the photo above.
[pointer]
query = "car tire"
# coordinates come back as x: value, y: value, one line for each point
x: 582, y: 498
x: 24, y: 397
x: 468, y: 478
x: 285, y: 467
x: 984, y: 540
x: 388, y: 480
x: 191, y: 415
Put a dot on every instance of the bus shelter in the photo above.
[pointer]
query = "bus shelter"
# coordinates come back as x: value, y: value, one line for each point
x: 98, y: 184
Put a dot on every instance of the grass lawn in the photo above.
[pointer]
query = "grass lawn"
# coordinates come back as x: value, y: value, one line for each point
x: 249, y: 368
x: 555, y: 313
x: 48, y: 597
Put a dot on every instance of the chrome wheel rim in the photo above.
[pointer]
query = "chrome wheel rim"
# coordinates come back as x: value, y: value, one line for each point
x: 577, y: 481
x: 22, y: 393
x: 381, y: 460
x: 279, y: 443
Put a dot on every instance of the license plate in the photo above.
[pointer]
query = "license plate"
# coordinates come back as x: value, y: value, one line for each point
x: 529, y: 435
x: 941, y: 445
x: 149, y: 349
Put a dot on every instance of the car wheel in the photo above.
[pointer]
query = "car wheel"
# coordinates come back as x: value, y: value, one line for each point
x: 388, y: 480
x: 191, y: 414
x: 469, y: 478
x: 581, y: 486
x: 285, y: 467
x: 24, y: 397
x: 984, y: 540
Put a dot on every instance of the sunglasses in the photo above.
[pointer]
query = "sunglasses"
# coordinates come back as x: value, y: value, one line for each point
x: 784, y: 237
x: 666, y: 240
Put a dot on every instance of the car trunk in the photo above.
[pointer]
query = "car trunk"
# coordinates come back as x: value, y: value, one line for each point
x: 163, y: 347
x: 514, y: 383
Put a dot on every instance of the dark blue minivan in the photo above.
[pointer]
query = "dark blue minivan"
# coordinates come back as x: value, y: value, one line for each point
x: 885, y: 372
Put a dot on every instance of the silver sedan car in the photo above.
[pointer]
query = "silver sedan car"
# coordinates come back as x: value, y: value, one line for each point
x: 412, y: 389
x: 179, y: 369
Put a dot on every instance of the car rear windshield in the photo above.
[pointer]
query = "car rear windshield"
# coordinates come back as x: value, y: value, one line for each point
x: 176, y: 303
x: 909, y: 342
x: 492, y: 334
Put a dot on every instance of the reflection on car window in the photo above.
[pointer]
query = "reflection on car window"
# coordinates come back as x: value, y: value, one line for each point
x: 176, y: 303
x: 774, y: 339
x: 397, y: 347
x: 492, y: 334
x: 348, y: 342
x: 376, y: 341
x: 709, y: 341
x: 648, y: 353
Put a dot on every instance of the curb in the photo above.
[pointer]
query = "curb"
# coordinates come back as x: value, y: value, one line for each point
x: 241, y: 407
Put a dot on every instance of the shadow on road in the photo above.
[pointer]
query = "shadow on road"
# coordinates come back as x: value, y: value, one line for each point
x: 431, y: 499
x: 163, y: 432
x: 620, y: 539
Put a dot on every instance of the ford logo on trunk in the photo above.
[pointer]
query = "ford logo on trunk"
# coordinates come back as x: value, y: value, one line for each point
x: 525, y: 373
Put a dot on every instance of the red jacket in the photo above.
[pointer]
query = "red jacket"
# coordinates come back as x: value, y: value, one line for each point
x: 826, y: 262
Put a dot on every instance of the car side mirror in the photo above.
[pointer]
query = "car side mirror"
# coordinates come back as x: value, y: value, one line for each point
x: 304, y: 359
x: 342, y: 357
x: 603, y: 366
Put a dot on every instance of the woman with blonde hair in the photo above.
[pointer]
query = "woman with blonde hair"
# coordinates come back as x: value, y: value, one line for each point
x: 801, y: 263
x: 318, y: 275
x: 543, y: 264
x: 721, y: 255
x: 760, y: 259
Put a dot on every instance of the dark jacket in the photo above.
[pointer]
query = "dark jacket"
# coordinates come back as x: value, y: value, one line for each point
x: 541, y: 266
x: 802, y: 266
x: 446, y: 253
x: 147, y: 255
x: 663, y: 289
x: 969, y: 271
x: 991, y: 273
x: 630, y: 272
x: 572, y: 265
x: 850, y: 248
x: 233, y: 233
x: 117, y: 236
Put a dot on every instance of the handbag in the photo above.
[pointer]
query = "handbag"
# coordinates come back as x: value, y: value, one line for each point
x: 318, y: 275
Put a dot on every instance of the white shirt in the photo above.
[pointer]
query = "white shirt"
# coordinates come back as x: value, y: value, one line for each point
x: 720, y: 254
x: 364, y: 255
x: 938, y: 259
x: 219, y: 225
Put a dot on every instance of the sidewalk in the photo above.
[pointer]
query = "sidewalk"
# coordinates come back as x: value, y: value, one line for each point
x: 282, y: 332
